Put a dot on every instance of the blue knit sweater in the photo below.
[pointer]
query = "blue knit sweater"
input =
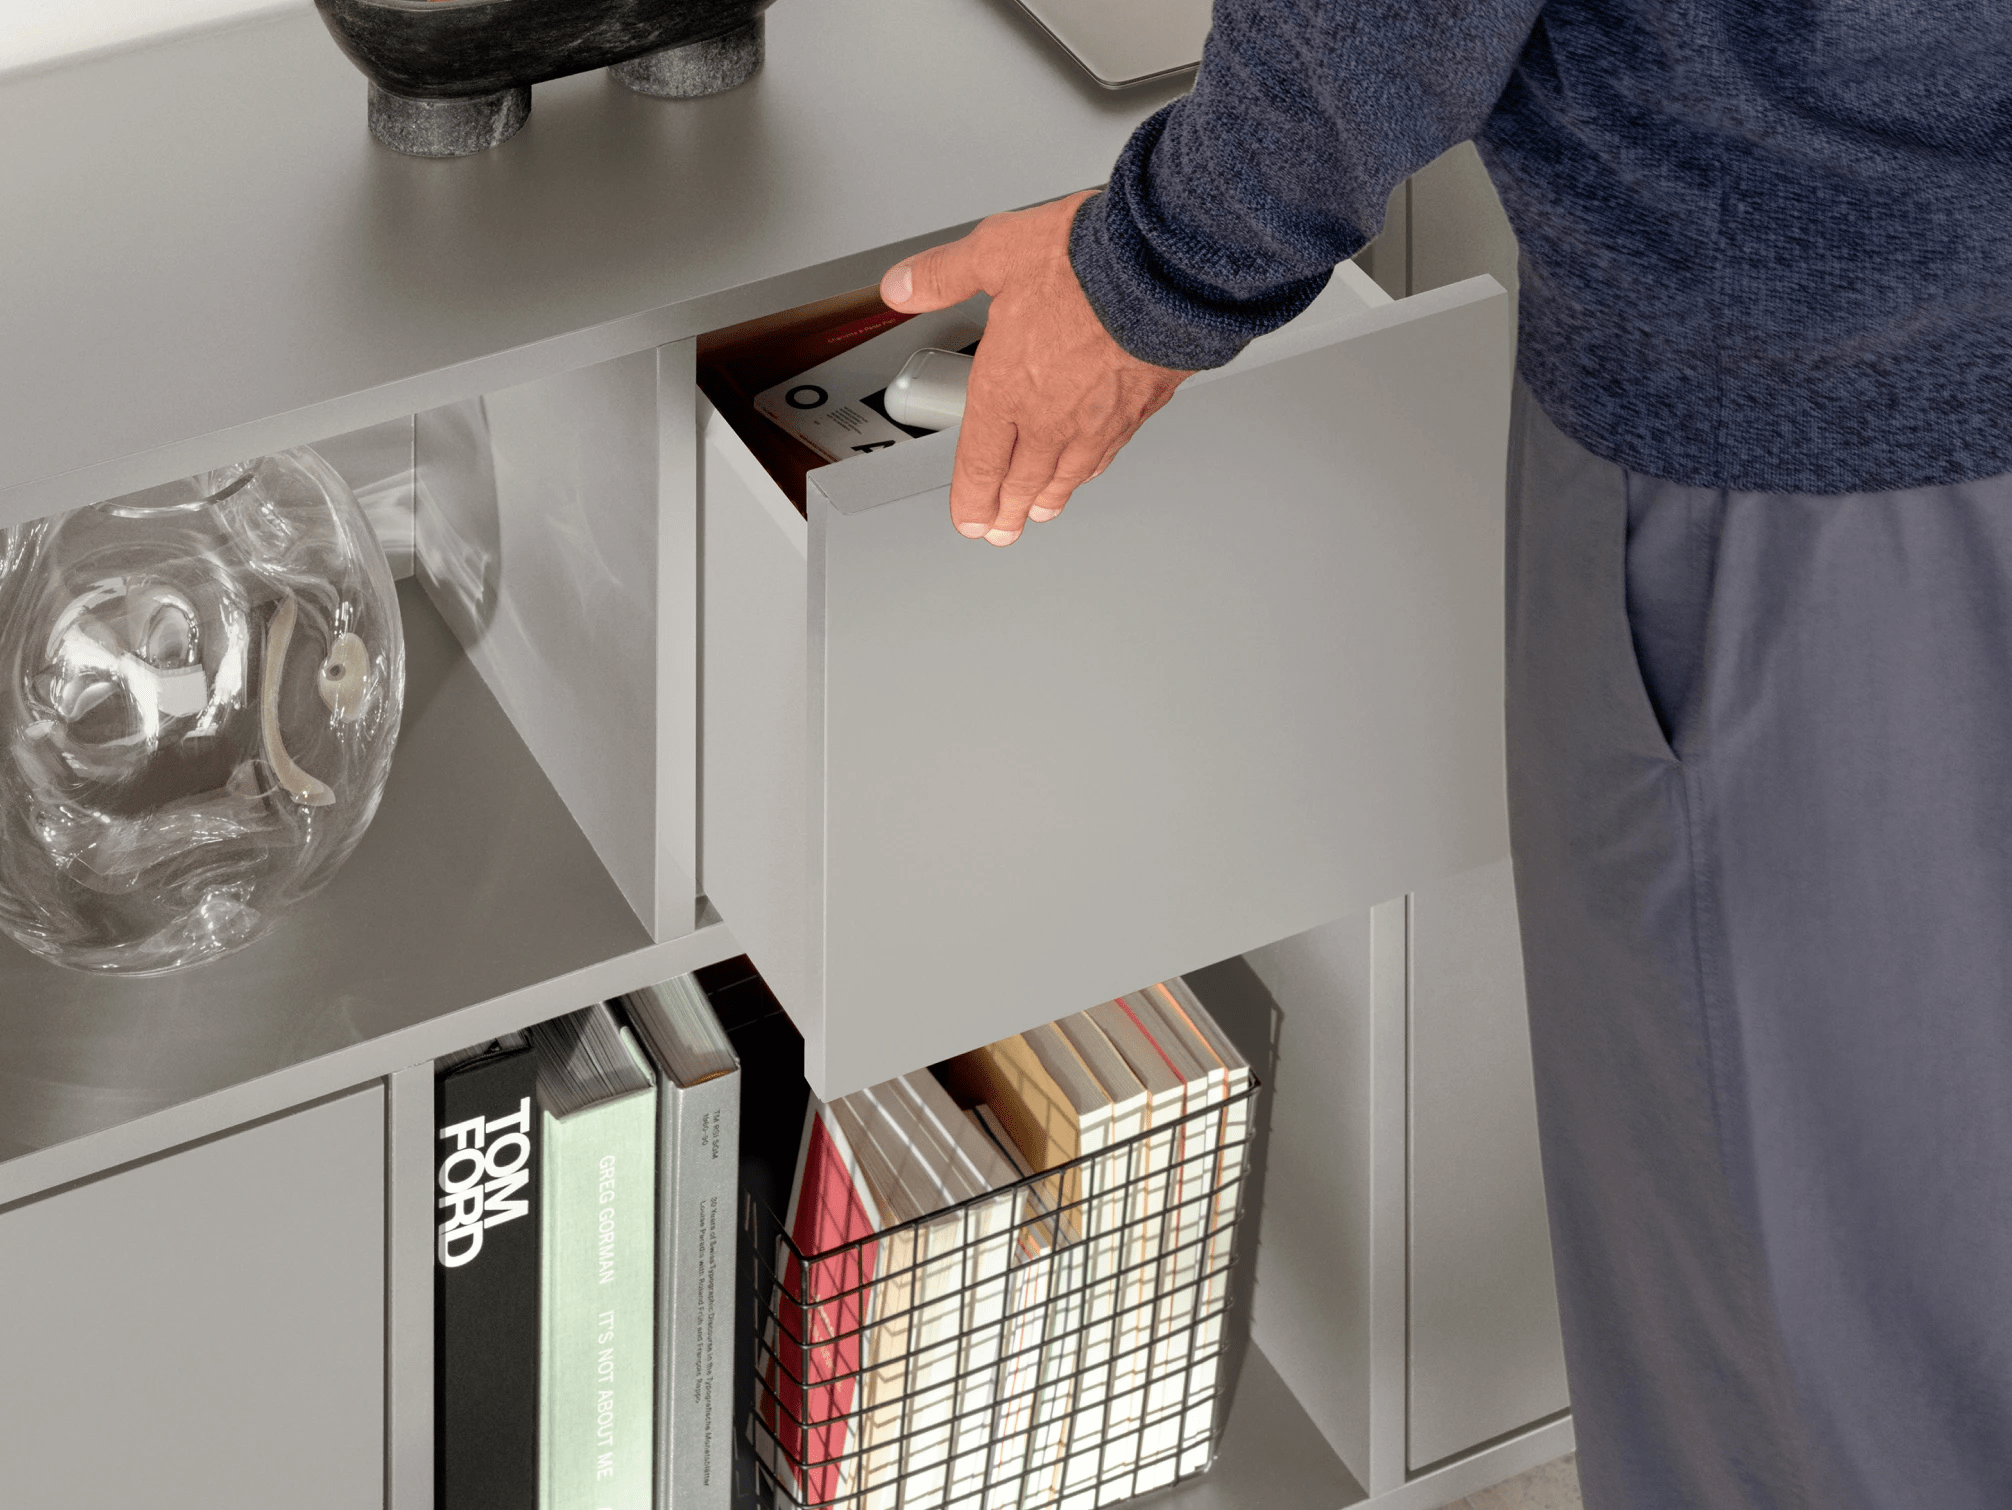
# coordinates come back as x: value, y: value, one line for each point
x: 1767, y: 243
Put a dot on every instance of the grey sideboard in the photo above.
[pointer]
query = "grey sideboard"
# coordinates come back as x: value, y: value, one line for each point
x: 656, y: 718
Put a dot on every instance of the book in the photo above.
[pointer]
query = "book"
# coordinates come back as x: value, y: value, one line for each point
x: 1031, y: 1416
x: 1185, y: 1011
x: 988, y: 1237
x: 836, y: 408
x: 926, y: 1437
x: 1157, y: 1033
x: 1047, y: 1100
x: 822, y: 1308
x: 1139, y: 1447
x: 962, y: 1283
x: 1181, y: 999
x: 698, y: 1175
x: 1118, y: 1189
x: 1074, y: 1365
x: 1180, y: 1399
x: 881, y: 1446
x: 486, y: 1266
x: 1203, y: 1085
x: 774, y: 1098
x: 597, y: 1311
x: 984, y: 1162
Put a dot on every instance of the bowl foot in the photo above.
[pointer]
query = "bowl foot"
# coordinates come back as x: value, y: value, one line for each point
x: 697, y: 68
x: 447, y: 128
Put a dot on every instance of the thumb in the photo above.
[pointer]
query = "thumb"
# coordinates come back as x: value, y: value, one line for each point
x: 933, y: 279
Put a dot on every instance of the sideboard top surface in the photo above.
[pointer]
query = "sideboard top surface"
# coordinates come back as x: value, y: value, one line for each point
x: 204, y: 254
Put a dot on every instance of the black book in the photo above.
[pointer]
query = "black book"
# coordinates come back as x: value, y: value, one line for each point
x: 774, y: 1096
x: 485, y: 1269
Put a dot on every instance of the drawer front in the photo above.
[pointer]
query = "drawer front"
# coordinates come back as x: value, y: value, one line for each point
x: 206, y: 1329
x: 1250, y: 680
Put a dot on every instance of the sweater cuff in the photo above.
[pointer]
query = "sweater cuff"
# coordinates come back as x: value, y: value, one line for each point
x: 1145, y: 302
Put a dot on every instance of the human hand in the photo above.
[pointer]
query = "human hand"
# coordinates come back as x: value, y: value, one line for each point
x: 1052, y: 396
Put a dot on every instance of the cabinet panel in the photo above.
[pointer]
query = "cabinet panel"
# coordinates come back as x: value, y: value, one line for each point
x: 1181, y: 721
x: 1455, y: 224
x: 556, y: 533
x: 754, y: 775
x: 206, y: 1331
x: 1485, y: 1356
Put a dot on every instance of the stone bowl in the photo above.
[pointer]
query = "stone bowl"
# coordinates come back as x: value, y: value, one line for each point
x: 450, y: 77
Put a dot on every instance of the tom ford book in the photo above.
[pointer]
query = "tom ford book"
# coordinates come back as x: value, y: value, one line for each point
x: 486, y: 1268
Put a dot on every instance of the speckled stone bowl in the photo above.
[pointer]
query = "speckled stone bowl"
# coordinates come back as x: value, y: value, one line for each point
x: 448, y: 77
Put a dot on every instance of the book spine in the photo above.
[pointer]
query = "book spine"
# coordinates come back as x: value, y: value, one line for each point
x: 990, y: 1234
x: 1096, y: 1304
x: 883, y: 1422
x: 599, y: 1310
x: 1031, y: 1291
x: 936, y: 1345
x: 1061, y: 1376
x: 1175, y: 1376
x: 1151, y: 1188
x: 1108, y: 1262
x: 1197, y: 1435
x: 486, y: 1264
x: 669, y: 1126
x: 695, y: 1395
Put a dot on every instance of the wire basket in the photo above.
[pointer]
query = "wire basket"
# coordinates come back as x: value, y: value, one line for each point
x: 1052, y: 1343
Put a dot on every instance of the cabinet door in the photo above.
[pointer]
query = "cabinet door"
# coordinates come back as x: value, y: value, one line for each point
x: 1250, y: 680
x: 1485, y: 1356
x: 205, y: 1331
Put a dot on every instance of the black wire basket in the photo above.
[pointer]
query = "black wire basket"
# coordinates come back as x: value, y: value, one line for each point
x: 1055, y: 1342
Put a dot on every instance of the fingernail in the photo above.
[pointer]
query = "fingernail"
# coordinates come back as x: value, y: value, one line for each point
x: 972, y: 530
x: 1002, y: 537
x: 900, y: 284
x: 1040, y: 515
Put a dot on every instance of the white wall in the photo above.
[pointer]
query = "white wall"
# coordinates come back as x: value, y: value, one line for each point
x: 35, y: 33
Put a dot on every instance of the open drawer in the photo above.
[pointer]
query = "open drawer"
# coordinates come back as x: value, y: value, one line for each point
x: 1250, y: 679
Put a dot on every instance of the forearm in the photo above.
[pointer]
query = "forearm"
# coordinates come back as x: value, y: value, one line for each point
x: 1228, y: 210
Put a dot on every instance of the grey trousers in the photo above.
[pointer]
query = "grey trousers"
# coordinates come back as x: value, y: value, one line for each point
x: 1760, y: 752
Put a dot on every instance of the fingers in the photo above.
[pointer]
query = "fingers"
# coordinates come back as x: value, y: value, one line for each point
x: 1081, y: 460
x: 1010, y: 479
x: 984, y: 457
x: 1030, y: 474
x: 933, y: 279
x: 1052, y: 396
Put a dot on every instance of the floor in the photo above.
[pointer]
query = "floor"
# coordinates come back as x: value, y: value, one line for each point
x: 1552, y: 1486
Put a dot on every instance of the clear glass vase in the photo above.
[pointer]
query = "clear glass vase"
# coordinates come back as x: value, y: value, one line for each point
x: 200, y: 688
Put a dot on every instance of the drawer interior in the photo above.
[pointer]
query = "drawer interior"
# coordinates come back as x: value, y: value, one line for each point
x: 739, y: 362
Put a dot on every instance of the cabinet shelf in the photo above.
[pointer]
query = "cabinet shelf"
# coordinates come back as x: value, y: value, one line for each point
x: 474, y: 906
